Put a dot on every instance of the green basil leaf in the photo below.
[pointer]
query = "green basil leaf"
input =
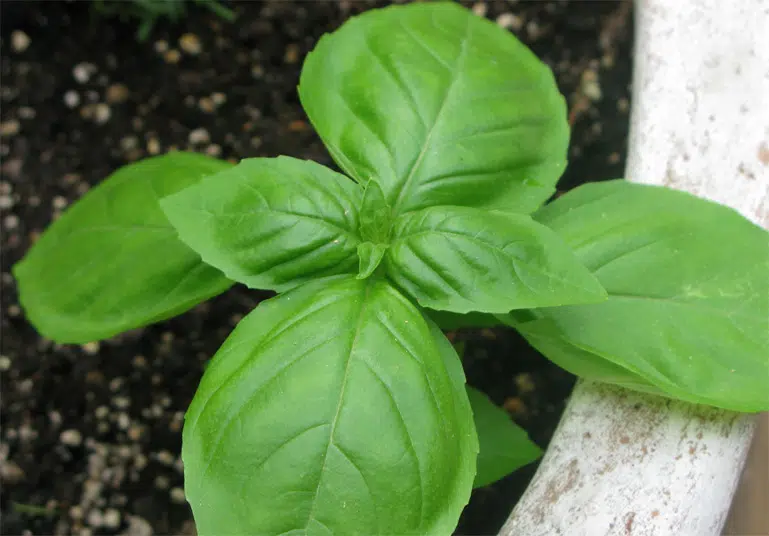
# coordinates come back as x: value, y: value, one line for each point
x: 503, y: 445
x: 375, y: 215
x: 112, y: 262
x: 336, y: 408
x: 688, y: 307
x: 442, y: 107
x: 463, y: 259
x: 544, y: 335
x: 271, y: 223
x: 369, y: 255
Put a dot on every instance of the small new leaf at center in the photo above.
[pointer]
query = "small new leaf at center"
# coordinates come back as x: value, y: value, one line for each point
x: 375, y: 215
x: 369, y: 255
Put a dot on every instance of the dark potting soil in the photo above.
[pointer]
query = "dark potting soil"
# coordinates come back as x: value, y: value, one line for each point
x: 91, y: 434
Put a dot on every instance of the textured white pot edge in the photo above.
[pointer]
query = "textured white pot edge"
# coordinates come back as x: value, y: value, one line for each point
x: 625, y: 463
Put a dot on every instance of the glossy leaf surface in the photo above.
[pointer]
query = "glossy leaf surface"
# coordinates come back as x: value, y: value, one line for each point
x: 375, y: 215
x: 504, y: 446
x: 271, y: 223
x: 440, y: 106
x: 369, y: 256
x: 462, y: 259
x: 544, y: 335
x: 688, y: 283
x: 112, y: 262
x: 335, y: 408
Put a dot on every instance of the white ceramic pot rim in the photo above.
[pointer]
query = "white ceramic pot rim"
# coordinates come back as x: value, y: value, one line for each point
x: 625, y: 463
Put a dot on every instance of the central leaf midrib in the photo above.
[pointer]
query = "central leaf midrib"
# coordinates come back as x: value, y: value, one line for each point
x: 358, y: 327
x: 405, y: 186
x: 315, y: 219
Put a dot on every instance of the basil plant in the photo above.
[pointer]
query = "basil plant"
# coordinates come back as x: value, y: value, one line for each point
x: 339, y: 406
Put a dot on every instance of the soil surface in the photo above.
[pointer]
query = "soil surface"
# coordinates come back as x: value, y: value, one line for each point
x: 91, y: 434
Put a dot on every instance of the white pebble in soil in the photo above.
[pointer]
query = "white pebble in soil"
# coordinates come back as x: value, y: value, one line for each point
x: 95, y: 518
x: 90, y: 348
x: 102, y: 113
x: 199, y: 136
x: 9, y: 128
x: 76, y: 513
x: 55, y: 418
x: 153, y: 146
x: 123, y: 421
x: 129, y: 143
x: 533, y: 31
x: 82, y: 72
x: 11, y: 221
x: 480, y: 9
x: 510, y: 21
x: 25, y: 387
x: 19, y: 41
x: 59, y: 202
x: 121, y: 402
x: 165, y: 457
x: 111, y: 519
x: 11, y: 473
x: 140, y: 462
x: 71, y: 437
x: 590, y: 85
x: 177, y: 495
x: 138, y: 526
x: 190, y: 44
x: 71, y: 99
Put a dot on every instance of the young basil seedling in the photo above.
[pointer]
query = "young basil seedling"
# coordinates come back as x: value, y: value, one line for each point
x: 339, y: 406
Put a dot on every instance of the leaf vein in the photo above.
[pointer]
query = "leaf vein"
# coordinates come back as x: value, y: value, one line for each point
x: 402, y: 422
x: 234, y: 416
x: 397, y: 78
x: 454, y: 70
x: 358, y: 328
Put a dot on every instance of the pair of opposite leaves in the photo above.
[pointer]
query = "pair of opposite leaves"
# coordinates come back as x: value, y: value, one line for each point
x: 450, y: 115
x: 444, y: 106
